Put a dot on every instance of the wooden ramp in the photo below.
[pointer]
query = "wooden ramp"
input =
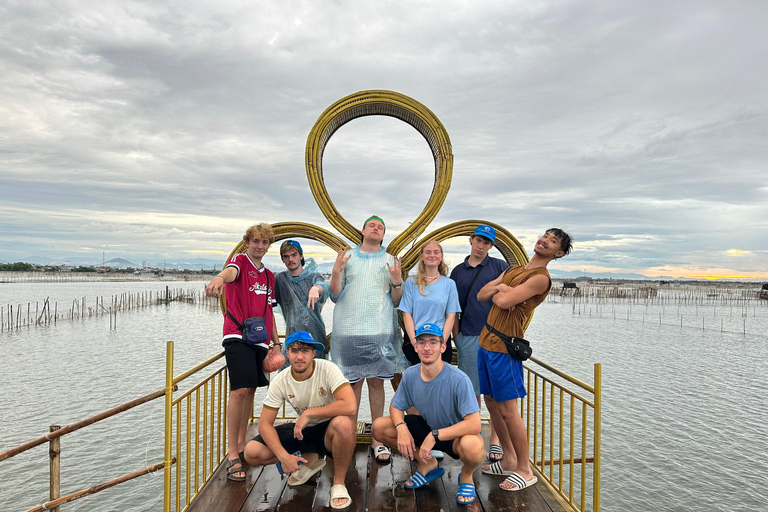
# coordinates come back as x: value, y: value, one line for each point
x: 373, y: 487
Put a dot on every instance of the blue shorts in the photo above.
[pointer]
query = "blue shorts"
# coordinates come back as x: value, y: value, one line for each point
x: 467, y: 346
x: 501, y: 377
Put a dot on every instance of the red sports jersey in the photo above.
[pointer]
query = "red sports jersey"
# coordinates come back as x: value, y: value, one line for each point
x: 247, y: 295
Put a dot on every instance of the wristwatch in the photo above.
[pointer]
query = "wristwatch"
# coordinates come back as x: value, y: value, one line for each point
x: 435, y: 434
x: 396, y: 286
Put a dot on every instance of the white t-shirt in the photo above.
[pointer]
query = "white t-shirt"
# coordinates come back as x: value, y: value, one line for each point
x: 316, y: 391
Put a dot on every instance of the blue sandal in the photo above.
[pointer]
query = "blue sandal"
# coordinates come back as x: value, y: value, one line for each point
x: 466, y: 491
x: 420, y: 480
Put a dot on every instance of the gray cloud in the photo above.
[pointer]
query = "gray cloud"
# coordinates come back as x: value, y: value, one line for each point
x: 168, y: 128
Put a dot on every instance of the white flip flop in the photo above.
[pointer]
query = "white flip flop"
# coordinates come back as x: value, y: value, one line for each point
x: 339, y: 491
x: 496, y: 469
x: 305, y: 472
x: 519, y: 481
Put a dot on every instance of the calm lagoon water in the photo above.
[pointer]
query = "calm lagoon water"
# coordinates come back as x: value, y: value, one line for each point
x: 684, y: 417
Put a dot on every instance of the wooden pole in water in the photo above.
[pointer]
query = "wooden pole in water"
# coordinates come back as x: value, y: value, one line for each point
x: 54, y: 452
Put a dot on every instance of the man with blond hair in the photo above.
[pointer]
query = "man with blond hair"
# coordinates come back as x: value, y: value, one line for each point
x: 248, y: 294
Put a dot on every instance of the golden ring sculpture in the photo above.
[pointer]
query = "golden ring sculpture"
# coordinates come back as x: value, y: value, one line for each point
x: 399, y: 106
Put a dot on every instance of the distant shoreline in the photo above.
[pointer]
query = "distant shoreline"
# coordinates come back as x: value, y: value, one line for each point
x: 88, y: 277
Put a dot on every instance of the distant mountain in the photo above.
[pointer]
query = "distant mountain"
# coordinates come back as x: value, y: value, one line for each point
x: 119, y: 263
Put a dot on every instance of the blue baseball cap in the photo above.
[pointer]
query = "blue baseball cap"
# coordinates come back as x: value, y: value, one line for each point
x: 303, y: 337
x: 486, y: 231
x: 292, y: 243
x: 429, y: 329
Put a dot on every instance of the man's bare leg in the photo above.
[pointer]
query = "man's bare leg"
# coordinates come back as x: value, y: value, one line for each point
x: 384, y: 431
x: 238, y: 413
x: 517, y: 433
x: 357, y: 387
x: 471, y: 452
x: 376, y: 401
x: 494, y: 437
x: 507, y: 410
x: 510, y: 455
x: 340, y: 438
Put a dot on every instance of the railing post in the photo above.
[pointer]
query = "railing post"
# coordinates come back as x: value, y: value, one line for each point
x: 596, y: 465
x: 168, y: 426
x: 54, y: 452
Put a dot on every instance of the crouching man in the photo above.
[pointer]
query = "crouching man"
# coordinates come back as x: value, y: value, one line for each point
x: 324, y: 402
x: 449, y: 416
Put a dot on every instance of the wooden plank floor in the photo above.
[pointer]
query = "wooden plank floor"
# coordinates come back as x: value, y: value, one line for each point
x: 374, y: 487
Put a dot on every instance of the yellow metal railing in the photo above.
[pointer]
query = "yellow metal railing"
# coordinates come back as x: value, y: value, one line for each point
x: 562, y: 415
x: 195, y: 431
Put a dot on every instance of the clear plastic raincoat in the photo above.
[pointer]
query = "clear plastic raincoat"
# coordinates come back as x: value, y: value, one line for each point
x: 292, y: 294
x: 366, y: 339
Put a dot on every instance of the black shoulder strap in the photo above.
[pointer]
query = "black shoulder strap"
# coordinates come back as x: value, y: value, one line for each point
x: 240, y: 326
x: 472, y: 282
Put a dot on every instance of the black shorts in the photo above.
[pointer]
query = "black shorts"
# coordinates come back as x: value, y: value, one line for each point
x: 244, y: 364
x: 313, y: 442
x: 419, y: 430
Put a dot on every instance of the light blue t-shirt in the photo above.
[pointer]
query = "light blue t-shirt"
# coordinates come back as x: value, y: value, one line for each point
x: 441, y: 299
x: 443, y: 401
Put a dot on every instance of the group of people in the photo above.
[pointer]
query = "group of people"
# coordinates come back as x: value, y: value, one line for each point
x: 436, y: 407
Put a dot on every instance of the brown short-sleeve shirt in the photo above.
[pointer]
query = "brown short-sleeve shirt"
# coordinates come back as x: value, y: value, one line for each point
x: 511, y: 322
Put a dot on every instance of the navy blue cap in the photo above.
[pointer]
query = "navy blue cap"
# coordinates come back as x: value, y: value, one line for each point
x: 429, y: 329
x: 303, y: 337
x: 486, y: 231
x: 293, y: 243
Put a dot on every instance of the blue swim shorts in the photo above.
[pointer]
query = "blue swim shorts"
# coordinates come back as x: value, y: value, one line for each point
x: 501, y: 377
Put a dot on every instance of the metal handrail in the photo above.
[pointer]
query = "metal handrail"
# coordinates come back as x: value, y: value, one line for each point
x: 80, y: 424
x: 554, y: 457
x: 56, y: 433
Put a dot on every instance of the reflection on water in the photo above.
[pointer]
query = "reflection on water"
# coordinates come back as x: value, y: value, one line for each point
x: 683, y: 420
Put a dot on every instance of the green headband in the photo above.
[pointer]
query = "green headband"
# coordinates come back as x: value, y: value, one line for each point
x: 374, y: 217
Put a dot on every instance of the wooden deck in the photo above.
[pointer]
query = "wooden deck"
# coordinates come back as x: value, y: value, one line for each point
x: 372, y: 486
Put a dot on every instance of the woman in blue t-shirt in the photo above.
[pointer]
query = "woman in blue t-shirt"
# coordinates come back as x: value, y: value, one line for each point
x: 431, y: 297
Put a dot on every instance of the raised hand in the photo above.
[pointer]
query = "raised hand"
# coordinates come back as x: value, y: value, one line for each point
x: 341, y: 259
x: 395, y: 274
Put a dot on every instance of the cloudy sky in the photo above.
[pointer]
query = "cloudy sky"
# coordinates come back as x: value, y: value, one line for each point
x: 148, y: 130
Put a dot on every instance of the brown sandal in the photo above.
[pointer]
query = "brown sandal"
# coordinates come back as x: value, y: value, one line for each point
x: 234, y: 466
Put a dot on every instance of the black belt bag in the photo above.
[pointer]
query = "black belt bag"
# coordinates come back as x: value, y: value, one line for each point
x: 518, y: 348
